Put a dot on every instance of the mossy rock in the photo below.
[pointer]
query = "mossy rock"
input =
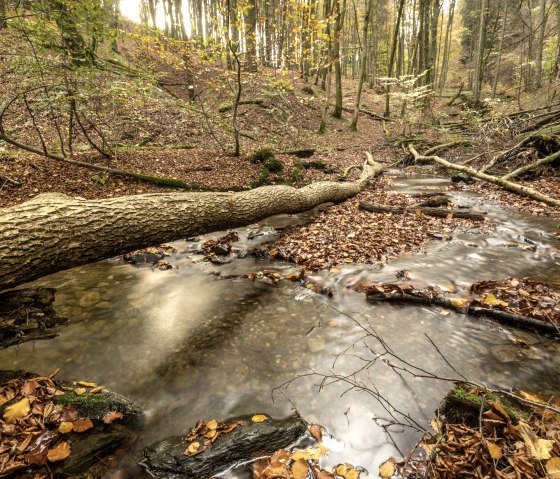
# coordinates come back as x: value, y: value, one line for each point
x: 167, y: 460
x: 462, y: 407
x: 95, y: 406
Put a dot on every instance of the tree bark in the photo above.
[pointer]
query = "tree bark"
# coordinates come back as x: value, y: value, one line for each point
x: 54, y: 232
x: 426, y: 210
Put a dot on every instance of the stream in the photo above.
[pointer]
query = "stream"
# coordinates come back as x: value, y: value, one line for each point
x: 192, y: 342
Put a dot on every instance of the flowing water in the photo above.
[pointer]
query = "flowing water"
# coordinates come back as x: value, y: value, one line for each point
x: 197, y: 342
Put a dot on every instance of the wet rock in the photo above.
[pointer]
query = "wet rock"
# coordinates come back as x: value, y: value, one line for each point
x: 90, y: 299
x: 462, y: 178
x: 86, y: 452
x: 95, y: 406
x: 220, y: 249
x: 166, y: 459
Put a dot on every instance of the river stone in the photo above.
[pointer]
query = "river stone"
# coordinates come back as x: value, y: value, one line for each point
x: 166, y: 459
x: 90, y: 299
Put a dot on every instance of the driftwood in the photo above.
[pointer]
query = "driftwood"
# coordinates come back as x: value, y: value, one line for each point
x: 167, y: 460
x: 466, y: 308
x: 435, y: 201
x: 428, y: 211
x: 532, y: 166
x: 508, y: 185
x: 304, y: 153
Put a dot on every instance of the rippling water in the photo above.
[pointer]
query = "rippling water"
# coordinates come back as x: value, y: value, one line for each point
x: 189, y: 343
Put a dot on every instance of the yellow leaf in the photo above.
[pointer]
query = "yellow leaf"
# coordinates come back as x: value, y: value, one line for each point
x: 17, y: 411
x: 79, y: 391
x: 259, y: 418
x: 192, y: 449
x: 436, y: 425
x: 491, y: 300
x: 213, y: 424
x: 97, y: 390
x: 539, y: 448
x: 65, y: 427
x: 494, y: 450
x: 59, y: 452
x: 310, y: 453
x: 300, y: 468
x: 347, y: 471
x: 387, y: 469
x: 459, y: 302
x: 211, y: 434
x: 86, y: 384
x: 553, y: 467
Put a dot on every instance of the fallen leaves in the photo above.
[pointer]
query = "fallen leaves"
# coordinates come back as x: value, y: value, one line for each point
x: 33, y: 423
x: 17, y: 411
x: 203, y: 434
x: 344, y: 234
x: 539, y: 448
x: 259, y: 418
x: 387, y: 469
x: 60, y: 452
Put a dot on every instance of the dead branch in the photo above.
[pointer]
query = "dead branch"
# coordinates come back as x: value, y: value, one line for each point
x: 7, y: 179
x: 428, y: 211
x: 508, y: 185
x: 532, y: 166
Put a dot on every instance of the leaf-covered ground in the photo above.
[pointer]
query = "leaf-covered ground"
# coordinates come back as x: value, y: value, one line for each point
x: 346, y: 234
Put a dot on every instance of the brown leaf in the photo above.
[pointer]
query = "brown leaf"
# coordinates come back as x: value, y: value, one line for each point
x: 553, y: 467
x: 65, y: 427
x: 59, y: 452
x: 82, y: 424
x: 494, y: 450
x: 29, y: 387
x: 86, y: 384
x: 316, y: 431
x: 193, y: 449
x: 112, y: 416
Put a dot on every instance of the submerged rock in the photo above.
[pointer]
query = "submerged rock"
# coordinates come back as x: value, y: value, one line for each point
x: 167, y: 460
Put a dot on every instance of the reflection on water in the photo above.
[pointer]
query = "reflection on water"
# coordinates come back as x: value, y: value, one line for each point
x: 188, y: 344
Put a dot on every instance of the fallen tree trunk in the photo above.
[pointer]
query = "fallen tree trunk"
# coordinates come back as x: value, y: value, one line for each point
x: 54, y: 232
x: 428, y: 211
x: 465, y: 307
x: 508, y: 185
x: 532, y: 166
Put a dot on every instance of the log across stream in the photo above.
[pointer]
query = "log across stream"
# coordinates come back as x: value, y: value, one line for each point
x: 187, y: 344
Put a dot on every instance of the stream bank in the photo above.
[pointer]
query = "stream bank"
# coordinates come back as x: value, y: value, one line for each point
x: 195, y: 341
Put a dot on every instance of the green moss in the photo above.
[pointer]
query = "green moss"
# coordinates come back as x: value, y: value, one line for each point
x: 462, y: 407
x: 94, y: 406
x: 273, y: 165
x: 261, y: 156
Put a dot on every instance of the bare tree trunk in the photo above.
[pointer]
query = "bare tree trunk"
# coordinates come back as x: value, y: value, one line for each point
x: 447, y: 46
x: 479, y: 60
x: 35, y: 237
x: 540, y: 44
x: 364, y: 51
x: 3, y: 14
x: 338, y: 27
x: 500, y: 48
x: 392, y: 56
x: 251, y: 36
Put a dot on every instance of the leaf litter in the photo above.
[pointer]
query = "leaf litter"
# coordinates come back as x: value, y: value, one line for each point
x: 519, y: 443
x: 32, y: 425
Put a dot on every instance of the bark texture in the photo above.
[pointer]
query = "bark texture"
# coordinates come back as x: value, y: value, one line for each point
x: 54, y: 232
